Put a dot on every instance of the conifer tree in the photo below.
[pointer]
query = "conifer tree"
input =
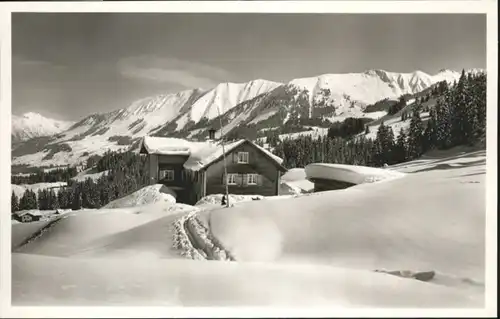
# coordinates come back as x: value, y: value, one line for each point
x: 53, y: 202
x: 415, y: 136
x: 28, y: 201
x: 76, y: 202
x: 461, y: 126
x: 63, y: 198
x: 430, y: 134
x: 14, y: 202
x: 478, y: 91
x: 401, y: 147
x: 443, y: 125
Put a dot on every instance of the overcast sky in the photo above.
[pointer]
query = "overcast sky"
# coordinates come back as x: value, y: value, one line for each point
x: 68, y: 65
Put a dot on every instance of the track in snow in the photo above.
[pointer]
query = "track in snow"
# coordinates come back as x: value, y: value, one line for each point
x: 196, y: 241
x: 40, y: 232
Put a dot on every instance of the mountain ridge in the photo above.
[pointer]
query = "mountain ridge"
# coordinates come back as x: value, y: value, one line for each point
x: 258, y: 104
x: 31, y: 124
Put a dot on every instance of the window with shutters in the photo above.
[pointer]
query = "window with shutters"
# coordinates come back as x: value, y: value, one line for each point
x: 167, y: 175
x: 243, y: 157
x: 231, y: 179
x: 252, y: 179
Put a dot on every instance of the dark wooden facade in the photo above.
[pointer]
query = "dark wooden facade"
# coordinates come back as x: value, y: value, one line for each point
x: 25, y: 218
x: 191, y: 186
x: 268, y: 173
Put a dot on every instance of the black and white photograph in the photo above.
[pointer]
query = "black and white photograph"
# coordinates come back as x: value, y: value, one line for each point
x: 249, y: 159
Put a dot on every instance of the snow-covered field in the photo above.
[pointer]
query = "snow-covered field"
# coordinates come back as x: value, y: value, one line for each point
x: 395, y: 124
x: 318, y: 249
x: 89, y: 173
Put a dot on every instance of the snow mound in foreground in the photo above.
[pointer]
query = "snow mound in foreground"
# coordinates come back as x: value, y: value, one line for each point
x: 146, y: 195
x: 190, y: 283
x: 350, y: 173
x: 429, y: 220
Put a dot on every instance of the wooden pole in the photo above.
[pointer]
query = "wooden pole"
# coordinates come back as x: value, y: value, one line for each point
x: 224, y: 156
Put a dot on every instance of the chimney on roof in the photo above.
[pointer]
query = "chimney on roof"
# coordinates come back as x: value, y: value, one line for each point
x: 211, y: 134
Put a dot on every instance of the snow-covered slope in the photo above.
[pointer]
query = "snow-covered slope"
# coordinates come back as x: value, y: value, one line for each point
x: 431, y: 219
x: 187, y: 283
x: 314, y: 250
x: 359, y: 89
x: 30, y: 125
x: 257, y: 104
x: 223, y: 98
x: 89, y: 173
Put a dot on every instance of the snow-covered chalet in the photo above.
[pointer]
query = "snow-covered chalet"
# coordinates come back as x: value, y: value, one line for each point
x: 196, y: 169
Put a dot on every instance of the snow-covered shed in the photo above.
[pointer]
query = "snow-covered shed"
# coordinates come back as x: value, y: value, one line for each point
x: 326, y: 176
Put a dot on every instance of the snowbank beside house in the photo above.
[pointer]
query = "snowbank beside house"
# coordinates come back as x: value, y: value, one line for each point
x: 295, y: 182
x: 216, y: 199
x: 350, y: 173
x: 146, y: 195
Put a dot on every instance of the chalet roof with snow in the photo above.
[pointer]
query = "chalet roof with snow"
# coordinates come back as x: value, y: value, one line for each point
x: 200, y: 154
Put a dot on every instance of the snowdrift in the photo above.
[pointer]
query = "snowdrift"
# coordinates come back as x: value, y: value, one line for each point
x: 433, y: 219
x: 216, y: 199
x: 133, y: 231
x: 113, y: 282
x: 146, y: 195
x: 350, y: 173
x: 295, y: 182
x: 23, y: 231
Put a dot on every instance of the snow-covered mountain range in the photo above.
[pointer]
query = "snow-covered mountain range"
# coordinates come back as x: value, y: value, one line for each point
x: 256, y: 105
x: 30, y: 125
